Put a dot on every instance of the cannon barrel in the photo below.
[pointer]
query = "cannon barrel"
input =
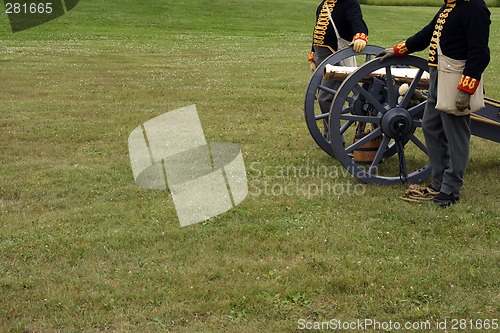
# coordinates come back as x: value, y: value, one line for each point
x: 400, y: 75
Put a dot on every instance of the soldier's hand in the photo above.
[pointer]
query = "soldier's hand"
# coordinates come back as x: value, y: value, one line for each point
x: 463, y: 101
x: 359, y: 42
x: 386, y: 54
x: 358, y: 45
x: 312, y: 66
x: 312, y: 63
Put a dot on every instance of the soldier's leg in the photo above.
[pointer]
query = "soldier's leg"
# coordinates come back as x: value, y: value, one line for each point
x: 457, y: 129
x: 435, y: 138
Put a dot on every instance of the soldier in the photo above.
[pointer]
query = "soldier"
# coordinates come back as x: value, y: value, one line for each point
x: 339, y: 24
x: 458, y: 35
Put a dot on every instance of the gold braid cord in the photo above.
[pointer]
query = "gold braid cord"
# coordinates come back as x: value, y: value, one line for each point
x: 437, y: 31
x: 417, y: 193
x: 322, y: 23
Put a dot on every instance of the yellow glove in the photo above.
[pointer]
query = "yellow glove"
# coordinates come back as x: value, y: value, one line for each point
x: 359, y: 42
x: 358, y: 45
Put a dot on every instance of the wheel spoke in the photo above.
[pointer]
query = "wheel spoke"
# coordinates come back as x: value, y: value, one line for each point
x: 349, y: 99
x: 370, y: 136
x: 391, y: 96
x: 417, y: 109
x: 328, y: 90
x: 416, y: 80
x: 322, y: 116
x: 418, y: 143
x: 380, y: 153
x: 363, y: 119
x: 369, y: 98
x: 347, y: 110
x: 411, y: 89
x: 346, y: 126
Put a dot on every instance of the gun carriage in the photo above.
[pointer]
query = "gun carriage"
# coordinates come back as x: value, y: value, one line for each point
x: 374, y: 124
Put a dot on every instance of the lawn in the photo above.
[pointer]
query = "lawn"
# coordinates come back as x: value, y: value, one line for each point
x: 84, y: 249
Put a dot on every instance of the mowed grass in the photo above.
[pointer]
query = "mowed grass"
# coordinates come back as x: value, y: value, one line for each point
x: 83, y: 249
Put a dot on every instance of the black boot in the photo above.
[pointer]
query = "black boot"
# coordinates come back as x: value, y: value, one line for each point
x: 444, y: 200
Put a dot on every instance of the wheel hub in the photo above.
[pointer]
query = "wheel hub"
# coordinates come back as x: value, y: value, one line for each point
x: 397, y: 123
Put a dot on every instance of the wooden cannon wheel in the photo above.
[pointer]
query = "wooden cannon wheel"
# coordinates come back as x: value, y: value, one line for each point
x: 395, y: 122
x: 317, y: 120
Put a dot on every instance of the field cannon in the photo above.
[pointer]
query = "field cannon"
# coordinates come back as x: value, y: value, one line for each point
x: 374, y: 124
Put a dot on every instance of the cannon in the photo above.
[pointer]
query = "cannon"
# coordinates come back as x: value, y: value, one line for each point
x: 374, y: 124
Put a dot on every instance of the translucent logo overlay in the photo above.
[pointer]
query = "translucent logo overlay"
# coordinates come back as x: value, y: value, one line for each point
x: 171, y: 152
x: 25, y: 14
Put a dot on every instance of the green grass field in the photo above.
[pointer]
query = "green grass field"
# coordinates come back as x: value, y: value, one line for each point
x: 83, y: 249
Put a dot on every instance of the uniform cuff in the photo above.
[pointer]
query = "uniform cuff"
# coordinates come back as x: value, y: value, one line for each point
x: 362, y: 36
x: 401, y: 50
x: 468, y: 84
x: 311, y: 56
